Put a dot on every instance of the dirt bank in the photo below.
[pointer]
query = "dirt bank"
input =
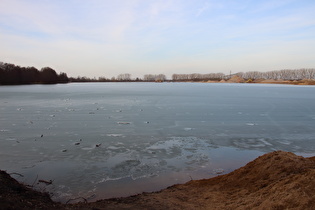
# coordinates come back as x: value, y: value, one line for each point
x: 237, y: 79
x: 277, y: 180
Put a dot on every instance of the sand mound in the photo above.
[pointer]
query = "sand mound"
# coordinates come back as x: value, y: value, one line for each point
x: 277, y: 180
x: 307, y: 82
x: 267, y: 81
x: 295, y: 82
x: 236, y: 79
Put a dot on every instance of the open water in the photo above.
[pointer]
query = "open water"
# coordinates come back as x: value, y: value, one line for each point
x: 102, y: 140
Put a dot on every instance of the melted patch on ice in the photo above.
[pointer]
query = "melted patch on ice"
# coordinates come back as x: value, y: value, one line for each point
x: 133, y: 169
x: 218, y: 171
x: 115, y: 135
x: 285, y: 142
x: 113, y: 148
x: 88, y: 148
x: 251, y: 143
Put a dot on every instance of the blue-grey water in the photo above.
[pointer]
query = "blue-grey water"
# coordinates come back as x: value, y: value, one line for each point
x: 102, y: 140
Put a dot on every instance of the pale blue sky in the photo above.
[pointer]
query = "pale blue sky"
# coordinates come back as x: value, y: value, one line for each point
x: 109, y: 37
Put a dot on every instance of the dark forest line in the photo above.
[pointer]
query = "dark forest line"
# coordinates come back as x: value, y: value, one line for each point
x: 11, y: 74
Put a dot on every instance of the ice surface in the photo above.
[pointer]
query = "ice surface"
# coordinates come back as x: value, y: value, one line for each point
x: 118, y: 139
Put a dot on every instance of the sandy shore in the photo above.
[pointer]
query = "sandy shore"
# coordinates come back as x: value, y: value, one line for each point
x: 277, y: 180
x: 237, y: 79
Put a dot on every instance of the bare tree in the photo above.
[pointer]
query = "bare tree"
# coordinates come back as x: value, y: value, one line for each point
x: 124, y: 77
x: 197, y: 77
x: 154, y: 77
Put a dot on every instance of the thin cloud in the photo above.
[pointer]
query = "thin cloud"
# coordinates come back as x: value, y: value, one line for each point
x: 203, y: 9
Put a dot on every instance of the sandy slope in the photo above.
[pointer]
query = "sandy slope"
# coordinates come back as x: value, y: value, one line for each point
x: 277, y: 180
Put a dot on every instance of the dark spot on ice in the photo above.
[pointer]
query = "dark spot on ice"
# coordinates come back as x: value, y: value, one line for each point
x: 98, y: 145
x: 64, y: 150
x: 77, y: 143
x: 41, y: 135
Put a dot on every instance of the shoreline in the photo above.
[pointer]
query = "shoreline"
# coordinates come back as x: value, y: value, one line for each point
x: 274, y: 180
x: 237, y: 79
x: 234, y: 79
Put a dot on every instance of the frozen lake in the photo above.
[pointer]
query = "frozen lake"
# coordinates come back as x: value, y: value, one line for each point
x: 102, y: 140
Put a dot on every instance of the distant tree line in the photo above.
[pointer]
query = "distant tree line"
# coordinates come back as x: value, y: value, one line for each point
x: 286, y: 74
x: 11, y: 74
x: 198, y: 77
x: 85, y: 79
x: 122, y: 78
x: 154, y: 77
